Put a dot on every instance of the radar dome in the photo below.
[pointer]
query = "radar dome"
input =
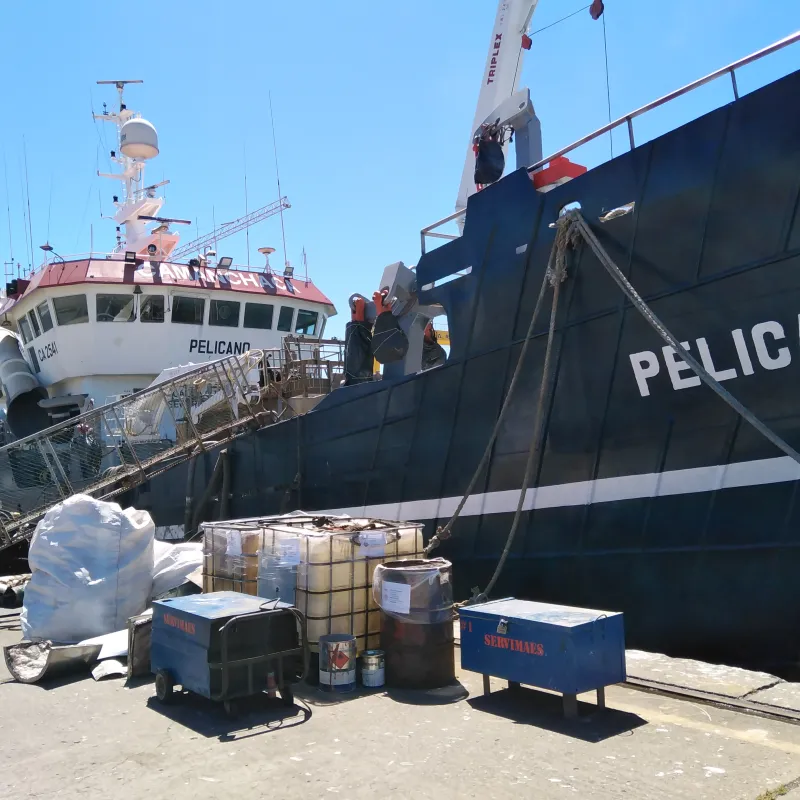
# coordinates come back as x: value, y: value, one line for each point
x: 138, y: 139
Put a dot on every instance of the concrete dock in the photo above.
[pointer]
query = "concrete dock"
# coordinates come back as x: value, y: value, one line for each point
x: 81, y: 738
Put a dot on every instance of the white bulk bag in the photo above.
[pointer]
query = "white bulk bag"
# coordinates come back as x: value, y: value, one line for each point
x: 92, y: 568
x: 174, y: 563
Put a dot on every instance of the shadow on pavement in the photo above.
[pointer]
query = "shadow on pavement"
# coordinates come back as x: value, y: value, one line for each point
x: 543, y: 710
x: 254, y: 716
x: 453, y: 693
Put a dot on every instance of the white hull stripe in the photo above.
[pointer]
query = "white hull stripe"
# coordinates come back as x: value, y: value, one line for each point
x: 603, y: 490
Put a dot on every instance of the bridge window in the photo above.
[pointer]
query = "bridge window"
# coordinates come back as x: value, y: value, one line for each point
x: 306, y: 322
x: 44, y: 316
x: 188, y: 310
x: 24, y: 329
x: 71, y: 310
x: 285, y: 318
x: 115, y: 308
x: 224, y: 313
x: 34, y: 361
x: 258, y: 315
x: 34, y: 323
x: 152, y: 309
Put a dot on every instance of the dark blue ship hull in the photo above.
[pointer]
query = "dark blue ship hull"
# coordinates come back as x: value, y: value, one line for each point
x: 654, y: 498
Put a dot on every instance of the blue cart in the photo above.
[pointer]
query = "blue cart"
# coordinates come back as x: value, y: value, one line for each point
x: 227, y: 645
x: 564, y: 649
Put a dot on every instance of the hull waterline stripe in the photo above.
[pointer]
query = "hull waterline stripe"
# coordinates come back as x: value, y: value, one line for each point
x: 602, y: 490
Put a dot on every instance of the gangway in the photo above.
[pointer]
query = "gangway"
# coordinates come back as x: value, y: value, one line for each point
x: 118, y: 446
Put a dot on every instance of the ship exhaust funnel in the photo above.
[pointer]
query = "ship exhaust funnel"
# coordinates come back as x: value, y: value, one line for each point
x: 22, y: 390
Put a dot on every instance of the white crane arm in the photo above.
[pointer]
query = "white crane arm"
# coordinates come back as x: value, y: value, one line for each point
x: 501, y: 76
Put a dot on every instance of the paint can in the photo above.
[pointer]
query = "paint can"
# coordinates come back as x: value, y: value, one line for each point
x: 372, y: 668
x: 337, y: 662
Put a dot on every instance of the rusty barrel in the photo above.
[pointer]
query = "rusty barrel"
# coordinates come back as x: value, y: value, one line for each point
x: 416, y: 601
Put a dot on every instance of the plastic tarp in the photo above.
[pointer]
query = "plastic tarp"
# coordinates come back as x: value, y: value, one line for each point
x: 92, y: 568
x: 143, y: 417
x: 417, y: 591
x: 112, y: 645
x: 173, y: 565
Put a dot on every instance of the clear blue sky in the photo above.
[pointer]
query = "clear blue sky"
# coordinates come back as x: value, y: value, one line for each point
x: 373, y: 103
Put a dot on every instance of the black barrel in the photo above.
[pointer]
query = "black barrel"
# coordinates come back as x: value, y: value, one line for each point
x: 418, y: 642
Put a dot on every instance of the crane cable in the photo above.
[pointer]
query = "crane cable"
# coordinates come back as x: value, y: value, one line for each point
x: 539, y: 30
x: 608, y: 86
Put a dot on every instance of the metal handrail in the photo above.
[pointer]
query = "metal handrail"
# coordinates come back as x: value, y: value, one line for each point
x: 109, y: 449
x: 628, y: 120
x: 100, y: 255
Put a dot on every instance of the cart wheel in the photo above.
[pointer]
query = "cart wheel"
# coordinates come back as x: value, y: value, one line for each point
x: 164, y: 686
x: 287, y: 696
x: 231, y: 709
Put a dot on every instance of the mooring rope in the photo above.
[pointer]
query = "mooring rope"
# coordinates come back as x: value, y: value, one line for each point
x: 565, y: 238
x: 570, y: 228
x: 554, y: 275
x: 580, y: 225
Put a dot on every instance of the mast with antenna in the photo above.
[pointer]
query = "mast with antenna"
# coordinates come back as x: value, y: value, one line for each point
x: 246, y: 212
x: 286, y: 265
x: 8, y: 265
x: 8, y: 210
x: 137, y: 143
x: 28, y: 256
x: 28, y: 194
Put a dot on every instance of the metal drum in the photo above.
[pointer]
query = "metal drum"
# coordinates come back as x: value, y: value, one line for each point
x: 373, y: 668
x: 337, y: 662
x: 416, y: 601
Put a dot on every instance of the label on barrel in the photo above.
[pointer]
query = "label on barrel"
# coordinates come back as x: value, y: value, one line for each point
x: 396, y: 597
x: 338, y: 678
x: 373, y: 678
x: 372, y: 544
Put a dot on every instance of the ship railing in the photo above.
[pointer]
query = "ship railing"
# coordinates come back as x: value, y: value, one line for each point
x: 100, y: 255
x: 115, y: 447
x: 431, y: 231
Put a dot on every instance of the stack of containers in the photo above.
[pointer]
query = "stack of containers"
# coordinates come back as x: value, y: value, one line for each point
x: 322, y: 565
x: 232, y: 551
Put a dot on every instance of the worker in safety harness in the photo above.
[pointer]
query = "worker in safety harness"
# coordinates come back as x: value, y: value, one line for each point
x: 377, y: 336
x: 433, y: 354
x: 371, y: 335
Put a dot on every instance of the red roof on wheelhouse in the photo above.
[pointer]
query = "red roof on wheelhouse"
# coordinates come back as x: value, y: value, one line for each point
x: 165, y: 274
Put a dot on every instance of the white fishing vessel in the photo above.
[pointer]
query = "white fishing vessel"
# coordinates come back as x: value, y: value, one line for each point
x: 89, y: 328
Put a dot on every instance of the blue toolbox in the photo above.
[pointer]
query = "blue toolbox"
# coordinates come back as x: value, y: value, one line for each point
x: 226, y: 645
x: 564, y: 649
